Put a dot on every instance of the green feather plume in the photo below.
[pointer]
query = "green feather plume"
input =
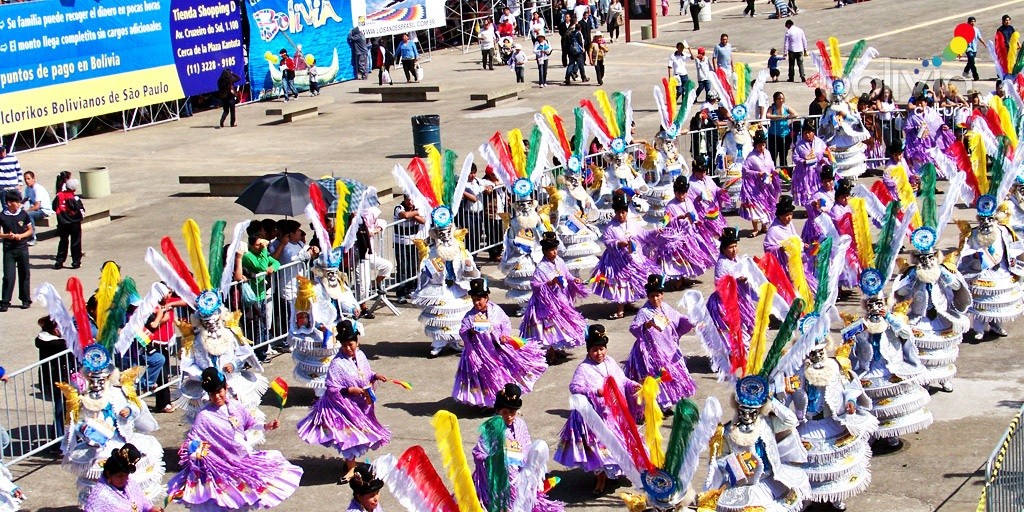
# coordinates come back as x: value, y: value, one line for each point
x: 883, y: 251
x: 492, y: 433
x: 855, y: 55
x: 687, y: 99
x: 771, y: 359
x: 928, y: 206
x: 216, y: 259
x: 451, y: 178
x: 821, y: 269
x: 687, y: 414
x: 618, y: 101
x: 577, y: 137
x: 998, y: 169
x: 531, y: 155
x: 117, y: 315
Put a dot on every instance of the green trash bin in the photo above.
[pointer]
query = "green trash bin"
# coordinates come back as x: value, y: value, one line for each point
x: 426, y: 130
x: 646, y: 32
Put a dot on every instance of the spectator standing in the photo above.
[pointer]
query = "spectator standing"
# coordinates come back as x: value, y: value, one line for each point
x: 577, y: 54
x: 598, y: 50
x: 542, y: 51
x: 382, y: 60
x: 506, y: 28
x: 288, y: 74
x: 703, y: 68
x: 704, y: 136
x: 408, y: 54
x: 582, y: 7
x: 819, y: 104
x: 779, y: 116
x: 1007, y: 31
x: 537, y: 28
x: 518, y: 63
x: 587, y: 25
x: 616, y: 19
x: 602, y: 11
x: 495, y: 199
x: 750, y: 9
x: 257, y: 265
x: 695, y: 8
x: 972, y: 50
x: 161, y: 328
x: 15, y: 231
x: 409, y: 221
x: 773, y: 64
x: 36, y: 202
x: 722, y: 55
x: 11, y: 175
x: 226, y: 93
x: 565, y: 32
x: 50, y: 343
x: 794, y: 44
x: 70, y: 212
x: 486, y: 40
x: 677, y: 68
x: 357, y: 41
x: 373, y: 269
x: 471, y: 210
x: 313, y: 73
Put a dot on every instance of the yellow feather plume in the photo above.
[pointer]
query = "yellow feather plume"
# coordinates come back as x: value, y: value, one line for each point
x: 304, y: 298
x: 794, y: 255
x: 740, y: 71
x: 434, y: 168
x: 72, y: 402
x: 422, y: 250
x: 109, y: 279
x: 127, y: 381
x: 549, y: 114
x: 759, y: 338
x: 652, y: 421
x: 1005, y: 121
x: 194, y: 242
x: 673, y: 98
x: 979, y: 159
x: 716, y: 442
x: 906, y: 193
x: 833, y: 51
x: 862, y: 231
x: 518, y: 150
x: 453, y: 457
x: 609, y: 112
x: 1011, y: 53
x: 340, y: 224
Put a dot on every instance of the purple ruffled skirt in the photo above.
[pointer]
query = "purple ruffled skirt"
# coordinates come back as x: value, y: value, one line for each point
x: 342, y: 423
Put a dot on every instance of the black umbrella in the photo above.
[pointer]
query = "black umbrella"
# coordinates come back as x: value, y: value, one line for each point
x: 284, y: 193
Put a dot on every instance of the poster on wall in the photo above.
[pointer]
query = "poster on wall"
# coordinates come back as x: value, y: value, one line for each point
x: 63, y: 60
x: 311, y: 32
x: 386, y: 17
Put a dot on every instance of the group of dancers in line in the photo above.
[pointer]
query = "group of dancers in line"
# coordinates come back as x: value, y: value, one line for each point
x: 808, y: 404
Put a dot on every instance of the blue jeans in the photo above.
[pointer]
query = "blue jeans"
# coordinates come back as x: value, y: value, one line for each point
x: 681, y: 86
x: 33, y: 216
x: 289, y: 85
x: 154, y: 362
x: 702, y: 85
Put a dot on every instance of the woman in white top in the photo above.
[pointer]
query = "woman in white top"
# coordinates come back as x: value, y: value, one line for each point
x: 542, y: 50
x: 537, y: 28
x: 486, y: 40
x: 616, y: 18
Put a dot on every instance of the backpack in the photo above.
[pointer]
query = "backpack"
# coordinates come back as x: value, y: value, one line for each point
x: 68, y: 205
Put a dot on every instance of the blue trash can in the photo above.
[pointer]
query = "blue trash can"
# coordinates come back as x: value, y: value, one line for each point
x: 426, y: 130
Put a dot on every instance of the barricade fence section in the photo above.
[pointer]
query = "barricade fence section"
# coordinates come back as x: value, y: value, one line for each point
x: 1004, y: 472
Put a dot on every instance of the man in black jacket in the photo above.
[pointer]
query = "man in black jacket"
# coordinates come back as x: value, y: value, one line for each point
x: 577, y: 55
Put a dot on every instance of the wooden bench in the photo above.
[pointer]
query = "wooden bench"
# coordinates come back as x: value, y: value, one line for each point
x: 492, y: 98
x: 401, y: 93
x: 299, y: 108
x: 97, y: 213
x: 220, y: 186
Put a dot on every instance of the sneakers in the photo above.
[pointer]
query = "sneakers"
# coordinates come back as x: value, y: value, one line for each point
x: 32, y: 242
x: 26, y: 305
x: 76, y: 265
x: 59, y: 265
x: 435, y: 351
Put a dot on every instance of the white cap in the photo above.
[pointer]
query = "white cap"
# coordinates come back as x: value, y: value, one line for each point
x: 71, y: 184
x: 518, y: 46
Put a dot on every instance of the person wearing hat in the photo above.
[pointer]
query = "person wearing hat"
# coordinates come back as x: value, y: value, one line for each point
x: 220, y: 469
x: 939, y: 300
x: 521, y: 250
x: 492, y: 357
x: 623, y: 269
x: 551, y: 317
x: 365, y: 490
x: 702, y: 65
x: 759, y: 190
x: 678, y: 248
x: 288, y: 74
x: 577, y: 446
x: 598, y: 49
x: 507, y: 431
x: 657, y: 328
x: 992, y: 264
x: 821, y: 202
x: 345, y: 417
x: 842, y: 217
x: 116, y: 491
x: 542, y: 52
x: 708, y: 199
x: 809, y: 155
x: 729, y: 264
x: 782, y: 237
x: 518, y: 62
x: 923, y: 131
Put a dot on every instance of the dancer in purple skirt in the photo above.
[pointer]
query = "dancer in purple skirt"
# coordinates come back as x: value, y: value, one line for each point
x: 728, y: 264
x: 760, y: 188
x: 516, y: 442
x: 708, y: 200
x: 782, y: 230
x: 809, y: 154
x: 116, y: 491
x: 623, y: 269
x: 657, y: 328
x: 821, y: 202
x: 678, y: 248
x: 219, y: 470
x: 550, y: 316
x: 365, y: 490
x: 344, y: 418
x: 492, y: 357
x: 578, y: 446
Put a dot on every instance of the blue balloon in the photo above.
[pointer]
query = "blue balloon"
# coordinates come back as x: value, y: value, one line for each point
x: 937, y: 61
x: 925, y: 63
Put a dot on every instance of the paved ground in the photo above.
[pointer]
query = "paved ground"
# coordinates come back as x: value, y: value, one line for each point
x: 938, y: 469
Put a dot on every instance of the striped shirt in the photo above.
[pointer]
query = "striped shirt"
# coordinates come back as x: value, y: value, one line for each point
x: 10, y: 172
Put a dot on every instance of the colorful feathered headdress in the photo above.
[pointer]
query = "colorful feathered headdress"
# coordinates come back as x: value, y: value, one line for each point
x: 832, y: 74
x: 518, y: 166
x: 736, y: 92
x: 1006, y: 55
x: 348, y: 215
x: 567, y: 147
x: 435, y: 185
x: 612, y: 125
x: 674, y: 113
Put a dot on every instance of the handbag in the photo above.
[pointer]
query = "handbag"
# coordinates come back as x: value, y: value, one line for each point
x: 419, y: 72
x: 386, y: 76
x: 248, y: 295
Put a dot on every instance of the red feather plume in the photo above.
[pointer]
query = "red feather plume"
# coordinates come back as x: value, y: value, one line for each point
x: 772, y: 269
x: 723, y: 78
x: 994, y: 124
x: 501, y: 149
x: 415, y: 463
x: 669, y: 104
x: 420, y: 175
x: 1001, y: 46
x: 881, y: 191
x: 563, y: 138
x: 728, y: 293
x: 601, y: 124
x: 316, y: 198
x: 74, y: 287
x: 178, y: 264
x: 826, y: 61
x: 620, y: 415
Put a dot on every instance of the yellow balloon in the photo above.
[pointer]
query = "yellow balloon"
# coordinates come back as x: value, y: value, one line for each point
x: 958, y: 45
x: 310, y: 60
x: 268, y: 55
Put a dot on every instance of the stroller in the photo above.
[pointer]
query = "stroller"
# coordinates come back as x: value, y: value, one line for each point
x: 506, y: 47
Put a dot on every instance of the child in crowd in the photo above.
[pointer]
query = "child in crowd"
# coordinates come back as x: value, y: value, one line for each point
x: 773, y: 64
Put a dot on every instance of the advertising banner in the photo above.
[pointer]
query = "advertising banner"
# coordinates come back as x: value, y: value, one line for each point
x: 62, y: 60
x: 386, y: 17
x: 309, y: 31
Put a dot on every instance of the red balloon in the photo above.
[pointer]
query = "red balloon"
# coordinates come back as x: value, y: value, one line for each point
x: 965, y: 31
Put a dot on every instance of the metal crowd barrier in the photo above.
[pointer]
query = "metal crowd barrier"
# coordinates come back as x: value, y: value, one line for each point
x: 1004, y: 472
